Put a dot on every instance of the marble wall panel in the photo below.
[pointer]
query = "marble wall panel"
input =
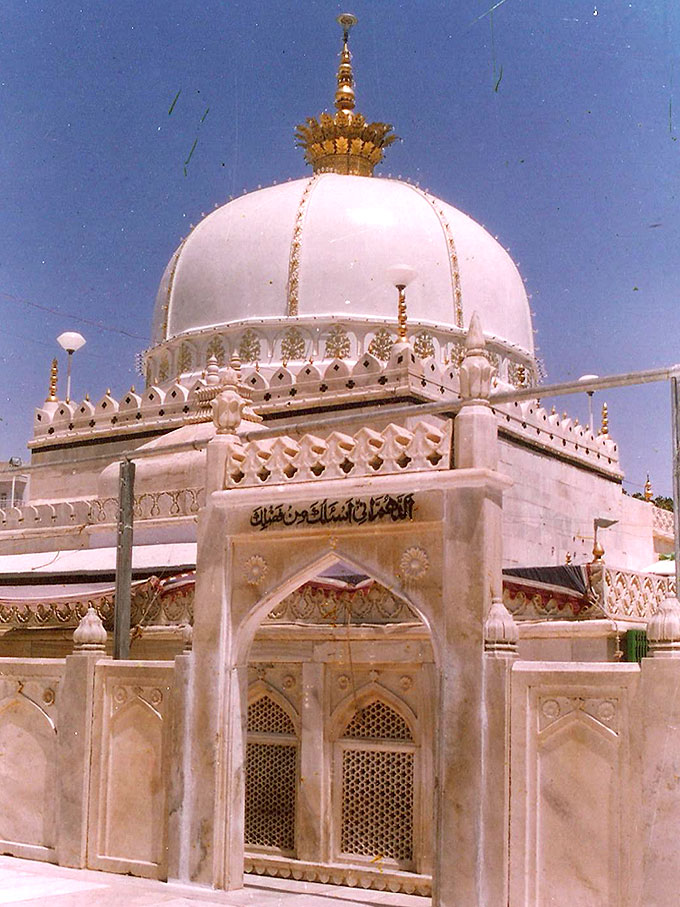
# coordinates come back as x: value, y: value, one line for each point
x: 128, y: 790
x: 572, y: 784
x: 28, y: 757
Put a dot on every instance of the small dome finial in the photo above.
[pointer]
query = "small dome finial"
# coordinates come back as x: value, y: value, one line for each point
x: 604, y: 430
x: 52, y: 394
x: 344, y: 96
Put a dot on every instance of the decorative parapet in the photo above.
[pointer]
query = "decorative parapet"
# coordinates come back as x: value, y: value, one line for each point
x: 616, y: 594
x: 528, y: 422
x: 281, y: 460
x: 663, y: 522
x: 157, y: 505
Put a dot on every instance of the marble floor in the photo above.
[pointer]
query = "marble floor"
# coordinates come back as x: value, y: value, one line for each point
x: 29, y: 884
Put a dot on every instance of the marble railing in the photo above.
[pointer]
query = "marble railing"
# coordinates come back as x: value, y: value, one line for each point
x: 147, y: 506
x: 283, y: 460
x: 663, y: 522
x: 628, y: 594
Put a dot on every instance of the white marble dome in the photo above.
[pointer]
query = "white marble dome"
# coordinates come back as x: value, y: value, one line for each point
x: 322, y: 248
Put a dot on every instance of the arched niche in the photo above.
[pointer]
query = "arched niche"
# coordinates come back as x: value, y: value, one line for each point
x: 376, y: 780
x: 132, y: 814
x: 577, y: 787
x: 28, y: 743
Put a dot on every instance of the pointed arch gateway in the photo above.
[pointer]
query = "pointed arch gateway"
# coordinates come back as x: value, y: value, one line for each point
x: 267, y: 570
x: 324, y: 660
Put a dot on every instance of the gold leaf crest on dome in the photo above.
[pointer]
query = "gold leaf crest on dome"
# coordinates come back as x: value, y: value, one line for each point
x: 344, y: 142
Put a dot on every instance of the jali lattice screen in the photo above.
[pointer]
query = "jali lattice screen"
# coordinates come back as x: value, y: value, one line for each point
x: 271, y: 777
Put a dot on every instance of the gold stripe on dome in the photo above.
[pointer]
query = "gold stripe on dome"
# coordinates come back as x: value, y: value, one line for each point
x: 168, y: 292
x: 295, y: 249
x: 453, y: 255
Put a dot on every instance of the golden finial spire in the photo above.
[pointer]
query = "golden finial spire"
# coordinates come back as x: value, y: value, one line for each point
x: 344, y: 96
x: 604, y: 430
x: 344, y: 142
x: 52, y: 394
x: 648, y: 489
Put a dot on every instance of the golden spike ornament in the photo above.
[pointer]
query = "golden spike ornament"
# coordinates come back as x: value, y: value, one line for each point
x: 344, y: 142
x: 401, y: 314
x: 604, y: 429
x: 52, y: 394
x: 649, y: 494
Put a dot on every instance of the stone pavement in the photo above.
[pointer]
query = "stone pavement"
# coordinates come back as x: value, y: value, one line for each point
x: 30, y: 884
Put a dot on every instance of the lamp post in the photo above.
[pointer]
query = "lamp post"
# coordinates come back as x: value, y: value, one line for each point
x: 70, y: 341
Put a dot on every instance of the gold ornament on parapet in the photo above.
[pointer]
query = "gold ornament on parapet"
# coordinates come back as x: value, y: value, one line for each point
x: 216, y: 349
x: 292, y: 345
x: 423, y: 345
x: 381, y: 345
x: 249, y: 347
x: 337, y: 343
x: 184, y: 360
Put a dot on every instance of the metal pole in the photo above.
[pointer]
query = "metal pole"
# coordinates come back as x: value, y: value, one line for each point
x: 68, y: 375
x: 675, y: 435
x: 121, y: 614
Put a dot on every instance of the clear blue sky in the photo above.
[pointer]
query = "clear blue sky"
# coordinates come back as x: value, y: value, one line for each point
x: 555, y: 124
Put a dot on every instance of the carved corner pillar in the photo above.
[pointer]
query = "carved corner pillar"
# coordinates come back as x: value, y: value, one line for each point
x: 74, y: 745
x: 476, y: 643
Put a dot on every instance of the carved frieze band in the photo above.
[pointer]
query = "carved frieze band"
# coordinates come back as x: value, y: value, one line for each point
x: 318, y: 604
x: 151, y: 604
x: 376, y: 877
